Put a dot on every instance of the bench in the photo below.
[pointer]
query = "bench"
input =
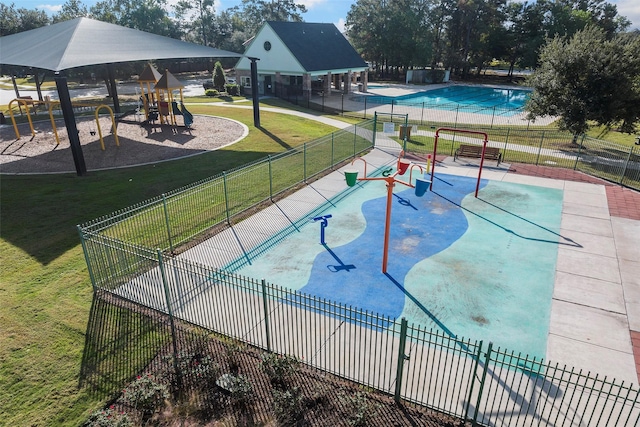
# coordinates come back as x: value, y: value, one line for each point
x: 490, y: 153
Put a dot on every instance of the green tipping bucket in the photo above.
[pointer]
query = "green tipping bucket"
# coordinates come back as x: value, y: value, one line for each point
x: 351, y: 175
x: 422, y: 185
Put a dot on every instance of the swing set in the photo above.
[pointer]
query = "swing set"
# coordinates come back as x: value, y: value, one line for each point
x: 49, y: 104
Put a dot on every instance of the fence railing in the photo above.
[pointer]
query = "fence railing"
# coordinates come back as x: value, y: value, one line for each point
x: 133, y: 254
x: 460, y: 377
x: 553, y: 148
x: 177, y: 217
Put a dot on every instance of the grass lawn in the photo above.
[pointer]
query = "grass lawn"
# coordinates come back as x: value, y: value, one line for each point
x: 44, y: 284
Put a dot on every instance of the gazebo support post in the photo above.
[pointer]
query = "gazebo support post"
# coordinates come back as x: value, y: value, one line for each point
x: 254, y: 91
x: 113, y: 90
x: 70, y: 123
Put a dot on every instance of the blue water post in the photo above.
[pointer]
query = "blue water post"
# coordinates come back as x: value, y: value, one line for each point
x: 323, y: 224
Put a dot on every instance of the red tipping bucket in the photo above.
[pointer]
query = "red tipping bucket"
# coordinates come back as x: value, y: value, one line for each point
x: 403, y: 165
x: 351, y: 175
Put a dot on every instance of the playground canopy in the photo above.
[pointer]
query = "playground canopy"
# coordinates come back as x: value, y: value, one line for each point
x: 83, y: 41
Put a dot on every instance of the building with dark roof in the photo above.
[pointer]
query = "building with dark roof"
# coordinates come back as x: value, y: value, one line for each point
x: 302, y: 57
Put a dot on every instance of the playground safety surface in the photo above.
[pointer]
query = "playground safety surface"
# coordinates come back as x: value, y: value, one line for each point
x: 140, y: 143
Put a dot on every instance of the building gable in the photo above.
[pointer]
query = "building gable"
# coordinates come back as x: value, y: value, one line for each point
x: 272, y: 53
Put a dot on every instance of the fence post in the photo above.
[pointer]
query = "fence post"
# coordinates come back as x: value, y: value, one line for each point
x: 626, y: 165
x: 401, y: 358
x: 265, y: 306
x: 270, y: 179
x: 167, y: 296
x: 421, y: 113
x: 86, y: 258
x: 375, y: 126
x: 365, y: 108
x: 332, y: 140
x: 226, y: 195
x: 355, y: 136
x: 166, y: 219
x: 342, y: 105
x: 540, y: 148
x: 482, y: 379
x: 472, y: 380
x: 506, y: 142
x: 455, y: 125
x: 492, y: 117
x: 392, y: 101
x: 575, y: 165
x: 304, y: 162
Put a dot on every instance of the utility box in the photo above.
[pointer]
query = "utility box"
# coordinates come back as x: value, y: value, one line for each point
x: 405, y: 132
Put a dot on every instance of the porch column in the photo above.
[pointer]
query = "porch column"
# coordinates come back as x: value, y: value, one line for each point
x: 364, y: 79
x: 347, y: 82
x: 306, y: 84
x: 327, y: 84
x: 278, y: 84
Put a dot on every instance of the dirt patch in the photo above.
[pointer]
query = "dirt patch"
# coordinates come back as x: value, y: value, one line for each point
x: 139, y: 143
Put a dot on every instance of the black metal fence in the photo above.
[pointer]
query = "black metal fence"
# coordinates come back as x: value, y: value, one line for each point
x: 134, y: 254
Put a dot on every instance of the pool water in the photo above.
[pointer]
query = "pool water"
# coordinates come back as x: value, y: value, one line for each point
x: 476, y: 268
x: 475, y: 99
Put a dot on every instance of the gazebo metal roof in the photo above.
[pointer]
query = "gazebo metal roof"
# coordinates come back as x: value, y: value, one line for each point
x: 83, y: 41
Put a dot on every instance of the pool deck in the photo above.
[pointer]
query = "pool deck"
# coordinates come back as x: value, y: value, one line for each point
x: 595, y: 311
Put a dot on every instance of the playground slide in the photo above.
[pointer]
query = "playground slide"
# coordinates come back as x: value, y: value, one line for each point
x: 188, y: 117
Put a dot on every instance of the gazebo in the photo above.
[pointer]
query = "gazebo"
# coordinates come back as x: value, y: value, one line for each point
x: 83, y: 41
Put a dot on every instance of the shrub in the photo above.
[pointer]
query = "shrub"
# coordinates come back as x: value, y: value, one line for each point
x: 211, y: 92
x: 278, y: 368
x: 288, y: 406
x: 361, y: 411
x: 218, y: 76
x: 108, y: 418
x: 233, y: 350
x: 197, y: 370
x: 232, y: 89
x: 145, y: 394
x: 238, y: 386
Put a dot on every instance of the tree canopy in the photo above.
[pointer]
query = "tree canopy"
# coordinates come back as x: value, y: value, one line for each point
x: 461, y: 35
x: 588, y: 77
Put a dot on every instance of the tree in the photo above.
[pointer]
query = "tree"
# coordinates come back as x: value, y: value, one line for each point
x: 147, y: 15
x: 365, y: 25
x: 256, y: 12
x: 218, y: 77
x: 70, y: 10
x: 199, y: 16
x: 588, y: 78
x: 14, y: 20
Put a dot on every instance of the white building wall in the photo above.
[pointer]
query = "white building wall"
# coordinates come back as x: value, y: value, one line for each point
x: 278, y: 58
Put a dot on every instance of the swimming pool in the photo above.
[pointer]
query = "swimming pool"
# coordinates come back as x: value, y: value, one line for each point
x: 476, y: 99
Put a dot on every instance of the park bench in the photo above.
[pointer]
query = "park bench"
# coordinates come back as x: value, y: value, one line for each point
x: 490, y: 153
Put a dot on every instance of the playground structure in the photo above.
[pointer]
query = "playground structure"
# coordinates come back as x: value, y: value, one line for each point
x: 482, y: 155
x: 160, y: 102
x: 402, y: 166
x: 49, y: 104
